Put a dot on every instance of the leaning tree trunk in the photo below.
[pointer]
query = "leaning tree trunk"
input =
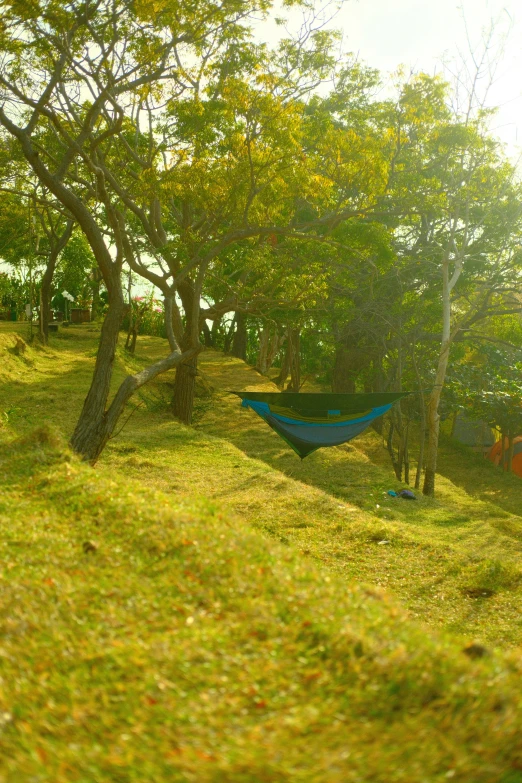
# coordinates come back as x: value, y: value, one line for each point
x: 97, y: 422
x: 43, y: 321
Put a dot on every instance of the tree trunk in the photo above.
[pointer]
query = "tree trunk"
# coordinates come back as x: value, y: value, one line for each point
x: 96, y: 299
x: 275, y: 345
x: 214, y: 332
x: 43, y: 322
x: 343, y: 378
x: 503, y: 450
x: 270, y: 343
x: 454, y: 417
x: 285, y: 365
x: 240, y: 341
x: 434, y: 422
x: 262, y: 353
x: 97, y: 423
x: 229, y: 335
x: 89, y: 436
x: 420, y: 463
x: 399, y: 426
x: 433, y: 444
x: 294, y: 343
x: 45, y: 302
x: 377, y: 386
x: 422, y: 410
x: 406, y: 454
x: 184, y: 390
x: 208, y: 337
x: 389, y: 445
x: 57, y: 245
x: 185, y: 381
x: 132, y: 338
x: 348, y: 364
x: 511, y: 450
x: 131, y: 315
x: 440, y: 377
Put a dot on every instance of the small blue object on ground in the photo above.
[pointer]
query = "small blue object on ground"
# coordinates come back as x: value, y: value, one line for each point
x: 407, y: 494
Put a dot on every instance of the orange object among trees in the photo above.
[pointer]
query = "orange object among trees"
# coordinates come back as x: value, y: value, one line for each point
x: 495, y: 454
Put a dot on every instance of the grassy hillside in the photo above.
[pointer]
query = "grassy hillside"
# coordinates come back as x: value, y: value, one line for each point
x: 202, y: 606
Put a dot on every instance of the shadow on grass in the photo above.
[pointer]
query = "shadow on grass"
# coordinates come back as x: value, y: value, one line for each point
x: 478, y: 477
x: 360, y: 476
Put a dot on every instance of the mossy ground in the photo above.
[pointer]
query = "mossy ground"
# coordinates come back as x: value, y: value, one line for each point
x: 202, y: 606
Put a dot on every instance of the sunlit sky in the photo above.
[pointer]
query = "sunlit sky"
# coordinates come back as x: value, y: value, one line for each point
x: 419, y: 34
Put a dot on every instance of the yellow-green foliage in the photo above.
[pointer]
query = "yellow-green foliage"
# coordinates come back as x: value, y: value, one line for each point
x: 204, y: 607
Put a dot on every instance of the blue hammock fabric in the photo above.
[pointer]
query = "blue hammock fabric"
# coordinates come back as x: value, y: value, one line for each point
x: 308, y: 422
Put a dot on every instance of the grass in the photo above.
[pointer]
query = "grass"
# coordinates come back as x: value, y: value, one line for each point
x: 205, y: 607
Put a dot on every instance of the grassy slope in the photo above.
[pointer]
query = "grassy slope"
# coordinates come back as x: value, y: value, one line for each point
x: 442, y: 557
x: 152, y: 657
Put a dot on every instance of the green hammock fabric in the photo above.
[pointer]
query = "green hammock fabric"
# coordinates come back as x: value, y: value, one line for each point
x: 308, y: 422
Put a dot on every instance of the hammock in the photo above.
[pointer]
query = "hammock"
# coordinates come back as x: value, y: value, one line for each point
x: 308, y: 422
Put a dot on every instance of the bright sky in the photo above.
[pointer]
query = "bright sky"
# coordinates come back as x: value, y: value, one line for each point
x: 419, y: 33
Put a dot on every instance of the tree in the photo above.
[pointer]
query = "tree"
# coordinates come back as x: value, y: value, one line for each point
x: 459, y: 218
x: 183, y: 138
x: 234, y: 163
x: 77, y: 71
